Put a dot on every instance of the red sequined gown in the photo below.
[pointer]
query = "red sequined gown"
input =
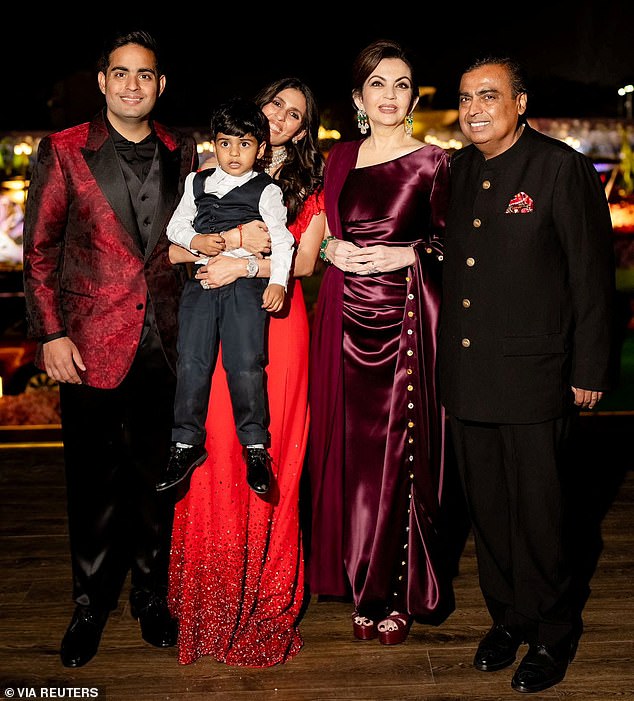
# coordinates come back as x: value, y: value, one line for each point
x: 236, y: 570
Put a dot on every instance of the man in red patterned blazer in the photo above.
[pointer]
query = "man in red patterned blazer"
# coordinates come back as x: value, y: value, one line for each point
x: 102, y: 300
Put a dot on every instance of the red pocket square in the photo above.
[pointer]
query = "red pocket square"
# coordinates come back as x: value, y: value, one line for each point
x: 520, y: 204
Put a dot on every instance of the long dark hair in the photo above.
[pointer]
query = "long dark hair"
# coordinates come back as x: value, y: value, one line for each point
x: 302, y: 171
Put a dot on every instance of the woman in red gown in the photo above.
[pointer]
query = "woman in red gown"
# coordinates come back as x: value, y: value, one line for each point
x: 377, y: 427
x: 236, y: 570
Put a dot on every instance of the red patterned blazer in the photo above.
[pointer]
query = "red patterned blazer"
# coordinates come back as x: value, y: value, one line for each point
x: 85, y: 273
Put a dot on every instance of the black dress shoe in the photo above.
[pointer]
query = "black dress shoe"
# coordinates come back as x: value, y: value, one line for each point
x: 158, y: 627
x: 258, y: 469
x: 543, y: 666
x: 497, y: 649
x: 81, y: 640
x: 182, y: 461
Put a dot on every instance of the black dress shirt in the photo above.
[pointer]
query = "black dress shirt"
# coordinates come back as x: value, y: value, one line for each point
x: 137, y: 155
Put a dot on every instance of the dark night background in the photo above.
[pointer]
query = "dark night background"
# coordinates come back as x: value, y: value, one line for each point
x: 577, y: 54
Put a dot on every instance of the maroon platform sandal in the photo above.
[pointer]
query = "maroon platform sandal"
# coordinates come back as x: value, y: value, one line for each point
x: 394, y: 629
x: 363, y: 628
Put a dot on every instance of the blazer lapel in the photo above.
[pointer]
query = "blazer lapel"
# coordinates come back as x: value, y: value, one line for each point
x: 167, y: 177
x: 102, y: 160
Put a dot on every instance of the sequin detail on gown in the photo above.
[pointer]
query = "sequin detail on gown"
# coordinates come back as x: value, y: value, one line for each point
x: 236, y: 570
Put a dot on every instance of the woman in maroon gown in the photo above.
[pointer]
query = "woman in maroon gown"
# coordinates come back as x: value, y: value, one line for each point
x: 236, y: 570
x: 377, y: 432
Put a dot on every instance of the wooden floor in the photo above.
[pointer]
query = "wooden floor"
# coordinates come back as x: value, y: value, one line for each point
x: 434, y: 664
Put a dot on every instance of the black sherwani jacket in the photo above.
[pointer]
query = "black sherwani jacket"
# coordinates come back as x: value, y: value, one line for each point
x: 528, y: 283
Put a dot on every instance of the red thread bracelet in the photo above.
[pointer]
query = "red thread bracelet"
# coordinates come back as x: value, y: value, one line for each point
x: 240, y: 232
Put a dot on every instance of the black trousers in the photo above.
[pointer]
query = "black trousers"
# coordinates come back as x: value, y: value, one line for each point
x: 116, y: 446
x: 512, y: 478
x: 233, y: 315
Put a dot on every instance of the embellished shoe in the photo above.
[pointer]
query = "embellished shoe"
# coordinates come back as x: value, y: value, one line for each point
x: 394, y: 629
x: 363, y: 628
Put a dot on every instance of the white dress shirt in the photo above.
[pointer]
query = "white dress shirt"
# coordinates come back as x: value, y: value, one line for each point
x: 180, y: 229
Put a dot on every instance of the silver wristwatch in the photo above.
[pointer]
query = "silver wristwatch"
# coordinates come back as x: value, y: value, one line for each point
x: 252, y: 267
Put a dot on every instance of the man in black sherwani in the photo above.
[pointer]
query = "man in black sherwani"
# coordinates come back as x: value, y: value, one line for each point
x: 525, y: 342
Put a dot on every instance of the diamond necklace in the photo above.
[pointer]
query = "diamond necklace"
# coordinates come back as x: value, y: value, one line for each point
x: 278, y: 157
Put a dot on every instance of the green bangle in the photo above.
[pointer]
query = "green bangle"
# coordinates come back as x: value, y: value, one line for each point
x: 322, y: 249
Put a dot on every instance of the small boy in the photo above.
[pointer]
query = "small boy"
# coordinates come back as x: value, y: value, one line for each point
x: 214, y: 201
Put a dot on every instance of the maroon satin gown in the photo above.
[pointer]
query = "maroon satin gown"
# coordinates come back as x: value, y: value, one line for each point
x: 377, y: 435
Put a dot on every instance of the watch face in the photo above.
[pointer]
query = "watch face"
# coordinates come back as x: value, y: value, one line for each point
x: 252, y: 268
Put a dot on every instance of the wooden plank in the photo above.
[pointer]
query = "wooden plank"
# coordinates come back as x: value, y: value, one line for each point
x: 433, y: 665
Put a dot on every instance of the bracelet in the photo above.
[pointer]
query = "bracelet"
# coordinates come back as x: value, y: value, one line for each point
x: 240, y: 232
x: 322, y: 249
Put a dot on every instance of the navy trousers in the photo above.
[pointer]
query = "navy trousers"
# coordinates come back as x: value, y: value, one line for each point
x: 231, y: 315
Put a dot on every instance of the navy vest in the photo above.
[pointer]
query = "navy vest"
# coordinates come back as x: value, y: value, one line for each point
x: 238, y: 206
